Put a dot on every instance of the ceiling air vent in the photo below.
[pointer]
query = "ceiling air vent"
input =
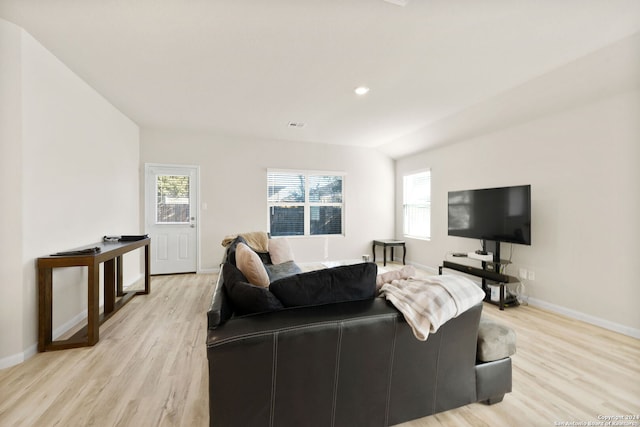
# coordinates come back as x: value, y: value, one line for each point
x: 296, y: 125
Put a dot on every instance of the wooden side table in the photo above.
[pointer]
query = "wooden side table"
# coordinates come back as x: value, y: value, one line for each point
x: 390, y: 243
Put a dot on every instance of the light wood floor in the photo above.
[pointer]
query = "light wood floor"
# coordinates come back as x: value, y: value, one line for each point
x: 149, y: 369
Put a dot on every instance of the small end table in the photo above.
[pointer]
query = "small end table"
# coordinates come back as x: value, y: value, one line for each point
x: 391, y: 243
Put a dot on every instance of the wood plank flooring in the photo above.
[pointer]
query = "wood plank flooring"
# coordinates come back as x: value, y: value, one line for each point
x: 564, y: 370
x: 149, y: 369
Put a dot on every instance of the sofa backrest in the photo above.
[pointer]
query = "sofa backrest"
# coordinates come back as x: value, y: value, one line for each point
x: 353, y: 363
x: 288, y: 288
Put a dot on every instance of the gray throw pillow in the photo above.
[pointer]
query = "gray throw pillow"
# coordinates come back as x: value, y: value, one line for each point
x: 280, y: 271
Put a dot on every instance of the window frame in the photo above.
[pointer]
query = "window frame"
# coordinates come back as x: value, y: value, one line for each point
x: 406, y: 228
x: 307, y: 204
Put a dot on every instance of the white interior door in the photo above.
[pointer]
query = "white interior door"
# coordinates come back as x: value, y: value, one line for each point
x: 171, y: 217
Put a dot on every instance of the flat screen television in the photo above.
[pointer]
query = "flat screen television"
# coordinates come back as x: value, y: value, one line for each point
x: 498, y: 214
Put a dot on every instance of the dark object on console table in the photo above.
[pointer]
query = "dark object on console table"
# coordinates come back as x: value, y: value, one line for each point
x: 353, y: 363
x: 125, y: 238
x: 109, y: 253
x: 88, y: 251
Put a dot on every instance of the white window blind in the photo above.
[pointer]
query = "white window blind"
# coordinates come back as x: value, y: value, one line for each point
x: 305, y: 203
x: 417, y: 205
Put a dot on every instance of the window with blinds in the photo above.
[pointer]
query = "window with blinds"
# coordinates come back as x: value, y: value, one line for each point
x: 305, y: 203
x: 416, y: 205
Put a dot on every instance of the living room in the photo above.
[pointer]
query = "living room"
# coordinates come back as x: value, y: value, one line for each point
x: 570, y: 131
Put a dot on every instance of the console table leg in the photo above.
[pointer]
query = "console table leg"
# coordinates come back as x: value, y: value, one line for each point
x: 119, y: 290
x: 147, y: 269
x: 109, y: 286
x: 93, y: 303
x: 45, y: 304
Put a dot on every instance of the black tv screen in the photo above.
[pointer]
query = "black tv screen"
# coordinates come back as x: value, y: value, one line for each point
x: 500, y: 214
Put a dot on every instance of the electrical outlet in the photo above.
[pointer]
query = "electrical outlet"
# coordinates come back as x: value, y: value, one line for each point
x: 532, y: 275
x: 523, y: 273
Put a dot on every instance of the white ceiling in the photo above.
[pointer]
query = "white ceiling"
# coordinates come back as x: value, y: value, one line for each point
x: 249, y: 67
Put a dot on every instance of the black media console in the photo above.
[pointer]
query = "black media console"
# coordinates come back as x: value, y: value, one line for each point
x: 490, y: 275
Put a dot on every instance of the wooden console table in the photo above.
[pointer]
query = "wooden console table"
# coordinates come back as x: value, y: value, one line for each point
x: 111, y: 255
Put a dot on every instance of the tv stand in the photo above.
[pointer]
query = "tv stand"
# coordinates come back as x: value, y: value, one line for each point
x: 490, y: 275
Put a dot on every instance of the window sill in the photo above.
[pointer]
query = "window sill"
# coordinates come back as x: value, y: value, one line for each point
x: 300, y: 236
x: 426, y: 239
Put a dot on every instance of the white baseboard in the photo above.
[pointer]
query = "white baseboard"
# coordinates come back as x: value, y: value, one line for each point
x: 587, y: 318
x: 69, y: 324
x: 574, y: 314
x: 30, y: 351
x: 33, y: 348
x: 12, y: 360
x: 578, y: 315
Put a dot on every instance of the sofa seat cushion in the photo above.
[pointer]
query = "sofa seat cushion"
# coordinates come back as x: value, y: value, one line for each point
x: 495, y: 341
x: 330, y: 285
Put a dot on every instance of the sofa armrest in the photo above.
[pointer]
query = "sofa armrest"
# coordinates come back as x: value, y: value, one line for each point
x: 220, y: 309
x: 493, y: 380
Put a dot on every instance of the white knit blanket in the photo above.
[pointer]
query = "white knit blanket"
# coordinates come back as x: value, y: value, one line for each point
x: 430, y: 302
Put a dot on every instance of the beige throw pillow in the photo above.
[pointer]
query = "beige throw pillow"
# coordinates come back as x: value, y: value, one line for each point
x: 279, y: 251
x: 249, y: 263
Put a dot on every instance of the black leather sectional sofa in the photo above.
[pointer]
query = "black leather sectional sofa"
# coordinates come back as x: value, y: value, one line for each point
x: 354, y: 363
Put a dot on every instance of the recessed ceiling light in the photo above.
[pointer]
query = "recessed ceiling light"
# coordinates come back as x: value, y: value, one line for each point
x: 361, y: 90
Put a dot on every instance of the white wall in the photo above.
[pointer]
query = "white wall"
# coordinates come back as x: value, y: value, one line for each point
x: 10, y: 188
x: 582, y: 164
x: 77, y: 174
x: 233, y: 185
